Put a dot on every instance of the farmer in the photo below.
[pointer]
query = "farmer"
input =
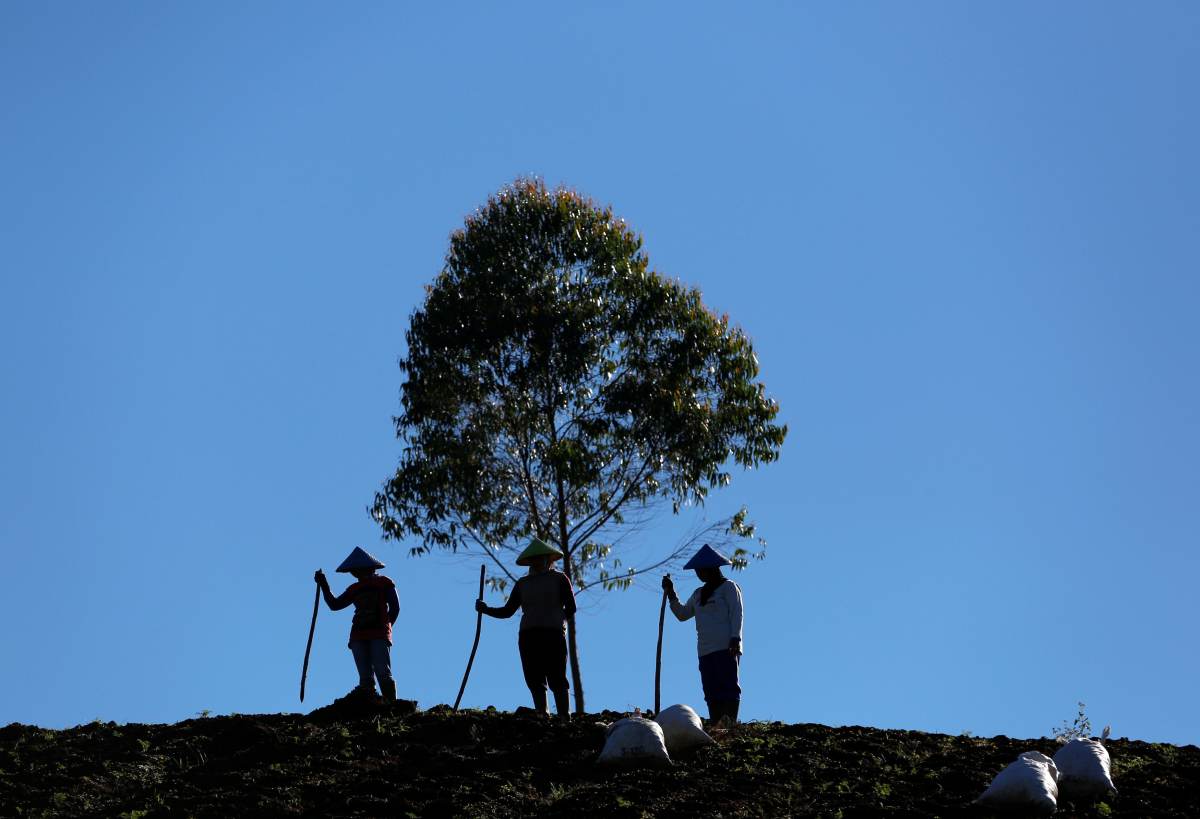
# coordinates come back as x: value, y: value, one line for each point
x: 547, y: 601
x: 717, y: 607
x: 375, y: 609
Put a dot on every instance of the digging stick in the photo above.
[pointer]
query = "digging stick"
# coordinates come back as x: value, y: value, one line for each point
x: 308, y: 648
x: 474, y: 645
x: 662, y: 613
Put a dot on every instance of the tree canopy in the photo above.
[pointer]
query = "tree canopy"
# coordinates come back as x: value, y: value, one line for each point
x: 556, y: 386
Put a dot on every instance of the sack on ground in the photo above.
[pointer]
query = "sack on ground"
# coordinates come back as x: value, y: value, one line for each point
x: 1030, y: 783
x: 635, y: 740
x: 681, y: 728
x: 1084, y: 770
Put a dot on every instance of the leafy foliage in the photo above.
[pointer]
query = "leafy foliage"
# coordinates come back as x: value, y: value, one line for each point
x: 1080, y: 728
x: 556, y: 386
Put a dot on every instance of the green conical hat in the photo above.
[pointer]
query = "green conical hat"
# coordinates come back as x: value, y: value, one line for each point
x: 537, y: 548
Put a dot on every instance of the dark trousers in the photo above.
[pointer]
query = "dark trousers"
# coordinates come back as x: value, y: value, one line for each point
x: 543, y: 660
x: 719, y: 676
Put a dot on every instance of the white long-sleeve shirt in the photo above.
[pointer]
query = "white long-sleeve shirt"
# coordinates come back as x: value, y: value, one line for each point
x: 718, y: 621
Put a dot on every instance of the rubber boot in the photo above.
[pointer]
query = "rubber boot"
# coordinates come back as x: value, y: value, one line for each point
x: 562, y: 704
x: 731, y: 711
x: 539, y: 701
x: 388, y: 689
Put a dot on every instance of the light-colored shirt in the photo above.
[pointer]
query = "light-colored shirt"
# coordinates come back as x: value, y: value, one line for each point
x: 718, y: 621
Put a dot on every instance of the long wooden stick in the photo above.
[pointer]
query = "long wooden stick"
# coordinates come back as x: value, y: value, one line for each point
x: 662, y: 613
x: 308, y: 648
x: 474, y: 645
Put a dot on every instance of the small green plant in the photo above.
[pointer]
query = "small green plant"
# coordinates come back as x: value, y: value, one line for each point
x: 203, y: 713
x: 1081, y: 728
x: 559, y: 792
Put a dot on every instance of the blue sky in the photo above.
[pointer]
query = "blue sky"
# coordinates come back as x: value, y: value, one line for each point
x: 962, y: 238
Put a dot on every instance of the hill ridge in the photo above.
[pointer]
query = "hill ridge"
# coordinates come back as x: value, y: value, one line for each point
x: 397, y: 761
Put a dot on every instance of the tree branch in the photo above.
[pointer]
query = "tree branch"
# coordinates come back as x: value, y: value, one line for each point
x: 615, y: 507
x: 484, y: 548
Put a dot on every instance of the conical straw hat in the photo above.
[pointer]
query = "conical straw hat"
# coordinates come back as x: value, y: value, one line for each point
x: 537, y: 548
x: 360, y: 559
x: 707, y: 558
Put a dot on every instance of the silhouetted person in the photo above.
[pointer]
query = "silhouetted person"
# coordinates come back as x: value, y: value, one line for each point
x: 717, y: 607
x: 376, y: 608
x: 546, y: 600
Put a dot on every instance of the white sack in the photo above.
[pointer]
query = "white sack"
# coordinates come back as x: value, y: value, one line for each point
x: 1030, y: 783
x: 634, y: 739
x: 1084, y: 770
x: 681, y: 728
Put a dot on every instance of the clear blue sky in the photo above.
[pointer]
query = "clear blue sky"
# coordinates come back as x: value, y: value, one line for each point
x: 962, y: 238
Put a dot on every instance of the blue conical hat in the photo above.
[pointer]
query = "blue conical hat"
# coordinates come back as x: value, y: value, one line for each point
x: 360, y: 559
x: 537, y: 548
x: 707, y: 558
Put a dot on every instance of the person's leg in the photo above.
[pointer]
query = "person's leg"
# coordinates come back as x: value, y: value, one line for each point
x: 554, y: 656
x: 719, y: 677
x: 706, y: 682
x: 381, y: 662
x: 535, y: 680
x: 562, y: 704
x: 733, y: 687
x: 361, y: 650
x: 723, y: 713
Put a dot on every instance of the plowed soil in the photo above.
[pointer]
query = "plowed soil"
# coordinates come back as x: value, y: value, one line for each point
x: 361, y: 759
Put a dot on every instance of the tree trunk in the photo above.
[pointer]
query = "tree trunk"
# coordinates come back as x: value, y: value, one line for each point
x: 565, y: 546
x: 576, y: 677
x: 573, y: 649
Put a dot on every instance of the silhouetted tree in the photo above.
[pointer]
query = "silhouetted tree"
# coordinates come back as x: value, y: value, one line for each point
x: 556, y: 386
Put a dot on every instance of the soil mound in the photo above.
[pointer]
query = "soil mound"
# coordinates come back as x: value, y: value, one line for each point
x: 355, y: 706
x: 371, y: 759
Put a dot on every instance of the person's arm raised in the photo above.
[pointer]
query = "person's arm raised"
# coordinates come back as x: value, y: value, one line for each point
x: 334, y: 603
x: 505, y: 611
x: 682, y: 611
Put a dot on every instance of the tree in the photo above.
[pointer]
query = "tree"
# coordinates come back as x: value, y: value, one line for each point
x: 556, y: 386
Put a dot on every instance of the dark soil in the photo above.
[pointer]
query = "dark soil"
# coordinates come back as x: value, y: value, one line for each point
x: 363, y: 759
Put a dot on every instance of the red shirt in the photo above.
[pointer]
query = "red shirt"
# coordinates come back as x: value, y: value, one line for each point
x: 375, y: 607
